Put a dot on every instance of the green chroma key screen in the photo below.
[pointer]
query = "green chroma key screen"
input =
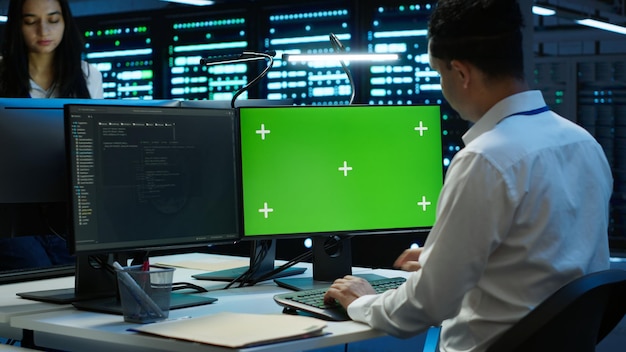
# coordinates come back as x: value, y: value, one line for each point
x: 340, y: 169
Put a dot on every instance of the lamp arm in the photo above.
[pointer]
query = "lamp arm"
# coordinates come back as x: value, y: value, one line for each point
x: 338, y: 47
x: 259, y: 56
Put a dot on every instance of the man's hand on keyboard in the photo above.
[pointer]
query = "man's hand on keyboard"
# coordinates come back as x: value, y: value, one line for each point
x: 348, y: 289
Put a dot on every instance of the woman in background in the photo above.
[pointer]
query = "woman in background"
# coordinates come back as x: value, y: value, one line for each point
x: 41, y: 58
x: 41, y: 53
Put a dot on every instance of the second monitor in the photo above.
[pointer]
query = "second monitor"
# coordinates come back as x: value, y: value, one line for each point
x: 330, y: 172
x: 308, y: 170
x: 143, y: 179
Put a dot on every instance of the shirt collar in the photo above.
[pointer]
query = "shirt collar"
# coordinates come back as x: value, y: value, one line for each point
x: 37, y: 92
x: 528, y: 100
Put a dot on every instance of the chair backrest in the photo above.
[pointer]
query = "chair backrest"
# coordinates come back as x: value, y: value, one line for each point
x: 575, y: 318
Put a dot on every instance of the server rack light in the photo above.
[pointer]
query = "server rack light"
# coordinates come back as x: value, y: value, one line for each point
x: 124, y: 56
x: 307, y: 32
x: 194, y: 38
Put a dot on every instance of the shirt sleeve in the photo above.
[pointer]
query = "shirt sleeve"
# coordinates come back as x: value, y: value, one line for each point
x: 94, y: 81
x: 455, y: 254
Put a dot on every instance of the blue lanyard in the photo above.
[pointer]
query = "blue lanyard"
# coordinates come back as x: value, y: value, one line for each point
x: 529, y: 112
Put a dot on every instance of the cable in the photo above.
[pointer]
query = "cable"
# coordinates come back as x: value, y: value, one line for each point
x: 255, y: 263
x: 247, y: 279
x: 306, y: 255
x: 43, y: 210
x: 338, y: 47
x: 102, y: 262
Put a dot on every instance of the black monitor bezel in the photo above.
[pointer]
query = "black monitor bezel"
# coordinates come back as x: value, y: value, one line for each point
x: 342, y: 233
x: 133, y: 247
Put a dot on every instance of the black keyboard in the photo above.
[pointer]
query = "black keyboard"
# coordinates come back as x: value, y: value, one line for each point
x: 311, y: 302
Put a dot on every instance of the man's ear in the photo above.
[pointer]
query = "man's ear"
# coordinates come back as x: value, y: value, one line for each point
x: 463, y: 71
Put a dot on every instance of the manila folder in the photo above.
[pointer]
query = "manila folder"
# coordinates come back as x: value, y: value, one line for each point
x: 237, y: 330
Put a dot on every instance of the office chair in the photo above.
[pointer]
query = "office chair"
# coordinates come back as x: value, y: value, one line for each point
x: 575, y: 318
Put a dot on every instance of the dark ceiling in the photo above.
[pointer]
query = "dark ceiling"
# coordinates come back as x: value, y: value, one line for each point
x: 93, y: 7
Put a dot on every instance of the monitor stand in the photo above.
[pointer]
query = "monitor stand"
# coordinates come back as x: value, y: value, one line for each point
x: 262, y: 258
x: 95, y: 287
x: 332, y: 259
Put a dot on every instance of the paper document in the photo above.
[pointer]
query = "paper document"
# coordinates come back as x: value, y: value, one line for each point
x: 237, y: 330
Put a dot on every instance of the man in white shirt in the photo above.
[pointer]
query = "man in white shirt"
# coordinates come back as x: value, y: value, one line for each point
x: 524, y: 208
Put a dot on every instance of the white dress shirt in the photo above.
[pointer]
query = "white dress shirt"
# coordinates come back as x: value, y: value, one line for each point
x: 92, y: 76
x: 524, y: 210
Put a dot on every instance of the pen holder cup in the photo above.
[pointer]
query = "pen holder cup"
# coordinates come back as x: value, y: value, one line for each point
x: 145, y: 295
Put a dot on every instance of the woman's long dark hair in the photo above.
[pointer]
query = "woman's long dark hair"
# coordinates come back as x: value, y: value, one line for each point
x: 69, y: 80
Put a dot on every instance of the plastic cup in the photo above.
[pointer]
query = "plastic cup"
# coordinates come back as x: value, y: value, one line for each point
x: 145, y: 295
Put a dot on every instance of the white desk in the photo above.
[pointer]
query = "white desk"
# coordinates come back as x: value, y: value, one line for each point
x: 12, y: 305
x: 69, y: 329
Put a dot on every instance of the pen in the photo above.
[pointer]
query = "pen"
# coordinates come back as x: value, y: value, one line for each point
x: 146, y: 265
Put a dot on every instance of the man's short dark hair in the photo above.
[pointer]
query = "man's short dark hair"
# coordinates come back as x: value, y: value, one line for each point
x: 486, y: 33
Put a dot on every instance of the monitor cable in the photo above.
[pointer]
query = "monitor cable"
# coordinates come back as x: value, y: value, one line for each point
x: 300, y: 258
x: 255, y: 263
x: 339, y: 48
x: 45, y: 214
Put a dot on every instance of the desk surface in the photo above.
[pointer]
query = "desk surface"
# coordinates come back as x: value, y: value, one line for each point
x: 64, y: 327
x: 12, y: 305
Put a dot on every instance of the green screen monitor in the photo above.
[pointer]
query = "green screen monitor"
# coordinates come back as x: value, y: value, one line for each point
x: 333, y: 171
x: 340, y: 169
